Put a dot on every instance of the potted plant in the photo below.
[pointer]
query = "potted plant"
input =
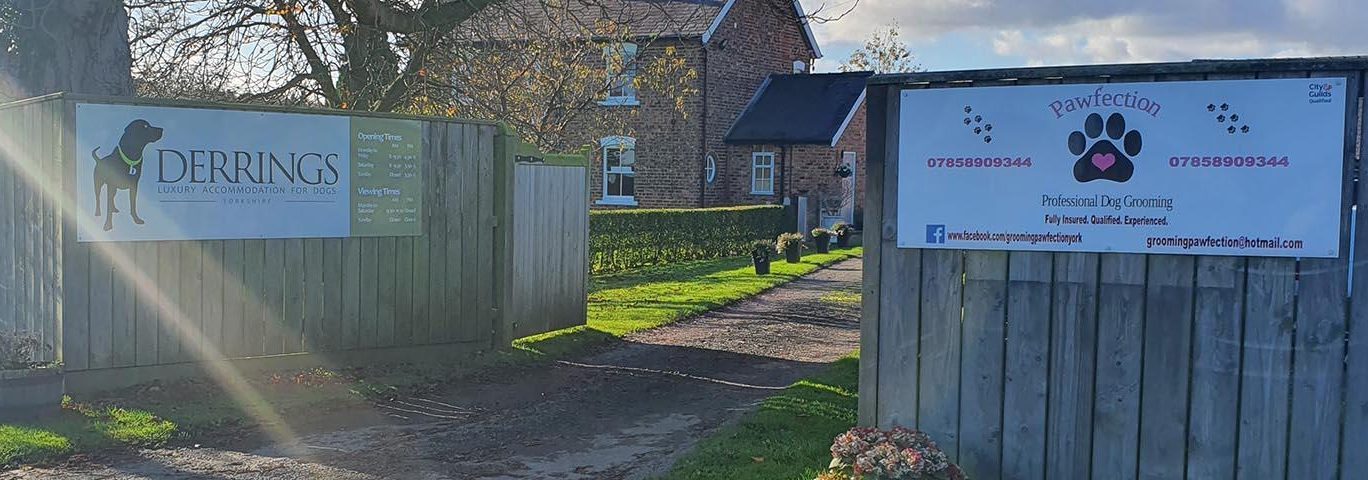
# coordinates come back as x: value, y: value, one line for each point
x: 791, y: 245
x: 760, y: 256
x: 821, y: 237
x: 864, y: 453
x: 843, y: 233
x: 30, y: 388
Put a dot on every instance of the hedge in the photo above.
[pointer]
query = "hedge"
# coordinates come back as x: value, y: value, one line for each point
x: 625, y: 239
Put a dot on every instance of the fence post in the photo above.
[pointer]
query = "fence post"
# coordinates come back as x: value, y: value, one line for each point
x: 505, y: 147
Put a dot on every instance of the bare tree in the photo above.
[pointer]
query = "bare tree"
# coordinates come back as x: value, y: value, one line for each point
x: 353, y: 54
x: 541, y: 66
x: 883, y: 52
x: 546, y: 69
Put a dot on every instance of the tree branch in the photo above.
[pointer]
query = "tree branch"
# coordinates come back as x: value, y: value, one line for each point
x: 438, y: 15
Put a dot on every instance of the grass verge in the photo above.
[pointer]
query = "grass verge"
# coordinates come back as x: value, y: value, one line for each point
x: 619, y: 304
x: 789, y: 438
x: 152, y: 415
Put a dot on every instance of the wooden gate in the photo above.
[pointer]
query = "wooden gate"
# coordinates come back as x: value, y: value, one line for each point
x: 1037, y: 365
x: 550, y: 246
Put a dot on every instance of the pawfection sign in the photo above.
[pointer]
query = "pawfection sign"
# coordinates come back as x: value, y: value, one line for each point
x: 1240, y: 167
x: 162, y: 173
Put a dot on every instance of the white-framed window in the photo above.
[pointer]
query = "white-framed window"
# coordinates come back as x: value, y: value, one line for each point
x: 762, y: 173
x: 621, y: 65
x: 619, y: 171
x: 710, y: 169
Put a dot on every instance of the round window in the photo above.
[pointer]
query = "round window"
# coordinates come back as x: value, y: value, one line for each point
x: 710, y: 169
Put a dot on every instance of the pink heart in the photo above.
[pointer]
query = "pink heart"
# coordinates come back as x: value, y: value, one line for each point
x: 1103, y: 162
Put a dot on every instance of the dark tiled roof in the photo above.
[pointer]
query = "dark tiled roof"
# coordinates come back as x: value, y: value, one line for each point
x: 666, y: 18
x: 802, y: 109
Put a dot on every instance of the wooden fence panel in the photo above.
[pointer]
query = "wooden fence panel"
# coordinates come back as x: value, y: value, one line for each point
x: 30, y: 152
x: 486, y: 310
x: 1026, y: 389
x: 1164, y: 384
x: 985, y: 315
x: 1266, y: 381
x: 1215, y: 367
x: 1120, y: 338
x: 313, y: 295
x: 255, y: 314
x: 370, y: 290
x: 457, y: 194
x: 152, y: 304
x: 234, y: 295
x: 386, y: 295
x: 333, y: 296
x: 11, y: 133
x: 167, y: 298
x: 1124, y: 366
x: 938, y: 405
x: 352, y: 315
x: 1073, y: 341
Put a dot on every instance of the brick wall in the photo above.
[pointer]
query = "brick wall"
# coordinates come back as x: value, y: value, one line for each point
x: 801, y: 170
x: 757, y: 38
x: 668, y: 148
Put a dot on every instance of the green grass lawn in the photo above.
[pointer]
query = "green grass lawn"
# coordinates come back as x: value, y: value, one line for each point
x: 642, y: 299
x: 789, y: 438
x: 619, y: 304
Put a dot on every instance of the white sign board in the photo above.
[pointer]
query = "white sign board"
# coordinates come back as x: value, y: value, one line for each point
x: 1241, y: 167
x: 159, y: 173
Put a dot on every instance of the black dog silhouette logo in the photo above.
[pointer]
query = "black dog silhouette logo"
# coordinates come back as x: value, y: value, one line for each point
x: 1103, y: 160
x: 122, y: 169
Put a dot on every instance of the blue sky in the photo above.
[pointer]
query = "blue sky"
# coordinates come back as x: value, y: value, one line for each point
x: 960, y: 34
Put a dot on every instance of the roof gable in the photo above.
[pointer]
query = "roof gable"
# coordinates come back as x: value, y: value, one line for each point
x: 803, y: 109
x: 798, y: 12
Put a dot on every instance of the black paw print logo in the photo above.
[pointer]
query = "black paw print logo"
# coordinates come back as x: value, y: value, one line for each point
x: 1228, y: 119
x: 1102, y: 160
x: 976, y: 124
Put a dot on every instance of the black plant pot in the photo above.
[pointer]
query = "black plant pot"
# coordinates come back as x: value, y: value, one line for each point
x: 823, y: 244
x: 843, y: 240
x: 762, y: 262
x: 794, y: 254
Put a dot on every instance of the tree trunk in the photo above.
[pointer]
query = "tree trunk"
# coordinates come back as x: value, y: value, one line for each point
x: 78, y: 46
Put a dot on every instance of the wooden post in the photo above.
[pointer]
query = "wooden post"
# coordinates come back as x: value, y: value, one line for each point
x: 505, y: 146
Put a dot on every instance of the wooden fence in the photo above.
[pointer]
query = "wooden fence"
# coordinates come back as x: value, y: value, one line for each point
x: 550, y: 248
x: 111, y: 308
x: 1036, y: 365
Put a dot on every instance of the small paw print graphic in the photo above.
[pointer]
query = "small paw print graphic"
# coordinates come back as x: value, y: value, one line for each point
x: 1103, y: 160
x: 977, y: 124
x: 1229, y: 121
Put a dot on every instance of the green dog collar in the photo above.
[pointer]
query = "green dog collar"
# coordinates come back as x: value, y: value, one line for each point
x: 131, y: 163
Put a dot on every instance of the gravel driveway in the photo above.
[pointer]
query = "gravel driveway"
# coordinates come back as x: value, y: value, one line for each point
x: 624, y: 413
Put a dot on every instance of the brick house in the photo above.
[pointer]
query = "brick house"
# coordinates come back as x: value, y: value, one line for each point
x: 674, y: 160
x: 792, y: 140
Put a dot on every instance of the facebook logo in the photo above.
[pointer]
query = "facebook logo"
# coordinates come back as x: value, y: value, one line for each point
x: 935, y: 234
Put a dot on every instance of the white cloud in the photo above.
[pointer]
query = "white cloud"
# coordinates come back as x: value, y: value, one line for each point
x: 1092, y: 31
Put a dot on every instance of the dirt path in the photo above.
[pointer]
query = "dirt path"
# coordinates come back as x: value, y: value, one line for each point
x: 624, y: 413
